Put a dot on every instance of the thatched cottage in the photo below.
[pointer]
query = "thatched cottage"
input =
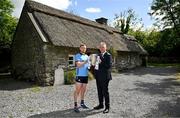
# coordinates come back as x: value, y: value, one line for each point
x: 46, y: 39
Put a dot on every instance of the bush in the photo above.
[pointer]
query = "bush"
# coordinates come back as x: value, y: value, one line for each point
x: 70, y: 75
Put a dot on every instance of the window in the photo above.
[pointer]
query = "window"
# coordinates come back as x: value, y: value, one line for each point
x: 71, y: 60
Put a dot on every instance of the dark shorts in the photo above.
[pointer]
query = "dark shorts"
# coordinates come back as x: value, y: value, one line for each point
x: 82, y: 79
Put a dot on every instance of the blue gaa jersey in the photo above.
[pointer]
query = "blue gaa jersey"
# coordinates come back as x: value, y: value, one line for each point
x: 83, y: 70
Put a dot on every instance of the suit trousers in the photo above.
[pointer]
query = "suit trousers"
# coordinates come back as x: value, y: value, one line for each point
x: 102, y: 89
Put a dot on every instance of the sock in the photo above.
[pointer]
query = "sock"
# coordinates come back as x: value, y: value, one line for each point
x: 75, y: 104
x: 82, y: 101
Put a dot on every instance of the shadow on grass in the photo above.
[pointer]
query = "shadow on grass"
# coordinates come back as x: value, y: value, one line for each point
x: 66, y: 113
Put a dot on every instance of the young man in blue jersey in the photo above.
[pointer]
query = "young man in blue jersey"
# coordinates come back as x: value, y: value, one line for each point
x: 81, y: 77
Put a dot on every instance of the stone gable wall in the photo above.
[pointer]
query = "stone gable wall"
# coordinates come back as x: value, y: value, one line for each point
x: 27, y: 53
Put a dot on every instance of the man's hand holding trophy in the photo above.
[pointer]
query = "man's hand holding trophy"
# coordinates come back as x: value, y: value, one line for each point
x: 94, y: 60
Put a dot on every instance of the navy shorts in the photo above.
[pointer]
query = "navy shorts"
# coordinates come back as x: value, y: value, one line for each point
x: 82, y: 79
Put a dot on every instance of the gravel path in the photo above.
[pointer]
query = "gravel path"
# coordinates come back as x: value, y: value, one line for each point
x: 143, y: 92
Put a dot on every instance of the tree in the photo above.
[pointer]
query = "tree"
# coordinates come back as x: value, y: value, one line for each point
x: 167, y: 12
x: 149, y: 39
x: 7, y: 22
x: 125, y: 20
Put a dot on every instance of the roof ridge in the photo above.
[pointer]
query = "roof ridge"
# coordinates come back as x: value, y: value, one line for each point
x: 59, y: 13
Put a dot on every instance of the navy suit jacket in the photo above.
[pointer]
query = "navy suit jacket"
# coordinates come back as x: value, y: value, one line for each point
x: 105, y: 67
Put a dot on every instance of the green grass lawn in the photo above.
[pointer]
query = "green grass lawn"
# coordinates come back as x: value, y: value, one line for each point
x: 164, y: 64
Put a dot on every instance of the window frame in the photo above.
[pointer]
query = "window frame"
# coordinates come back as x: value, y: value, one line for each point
x: 73, y: 60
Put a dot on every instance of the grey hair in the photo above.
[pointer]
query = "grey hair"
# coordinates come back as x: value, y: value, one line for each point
x: 103, y: 43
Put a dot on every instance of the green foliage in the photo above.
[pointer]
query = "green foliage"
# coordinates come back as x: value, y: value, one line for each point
x: 35, y: 89
x: 113, y: 52
x: 164, y: 64
x: 6, y: 7
x: 125, y: 20
x: 169, y: 43
x: 148, y: 39
x: 167, y: 12
x: 70, y: 76
x: 158, y: 43
x: 165, y: 43
x: 7, y: 22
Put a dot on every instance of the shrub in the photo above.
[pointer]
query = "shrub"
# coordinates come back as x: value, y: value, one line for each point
x: 35, y: 89
x: 70, y: 75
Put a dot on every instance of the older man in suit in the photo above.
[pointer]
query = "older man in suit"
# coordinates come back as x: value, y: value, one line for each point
x: 103, y: 76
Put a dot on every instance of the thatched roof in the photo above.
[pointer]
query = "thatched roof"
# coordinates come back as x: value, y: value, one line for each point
x: 65, y: 29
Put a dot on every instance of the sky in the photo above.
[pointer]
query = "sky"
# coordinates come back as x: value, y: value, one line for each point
x: 93, y: 9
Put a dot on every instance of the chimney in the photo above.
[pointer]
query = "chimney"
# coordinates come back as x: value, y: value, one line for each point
x: 102, y: 20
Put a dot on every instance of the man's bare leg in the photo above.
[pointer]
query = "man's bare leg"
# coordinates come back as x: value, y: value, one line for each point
x: 83, y: 91
x: 78, y: 87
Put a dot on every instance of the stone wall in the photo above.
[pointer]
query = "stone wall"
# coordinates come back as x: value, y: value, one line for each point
x: 127, y: 60
x: 56, y: 57
x: 27, y: 53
